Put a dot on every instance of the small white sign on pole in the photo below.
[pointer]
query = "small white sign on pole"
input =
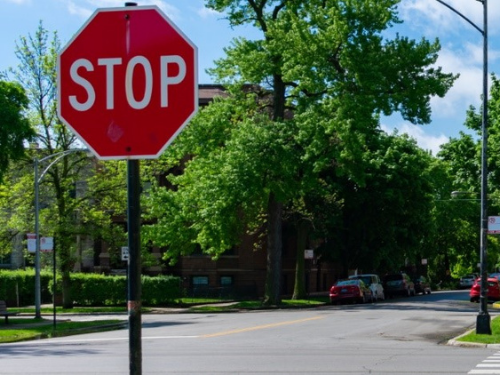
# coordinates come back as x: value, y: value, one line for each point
x: 125, y: 253
x: 493, y: 224
x: 31, y: 242
x: 46, y: 244
x: 308, y: 254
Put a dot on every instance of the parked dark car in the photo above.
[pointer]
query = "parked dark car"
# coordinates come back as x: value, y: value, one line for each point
x: 352, y: 290
x: 493, y: 293
x: 398, y: 284
x: 422, y: 285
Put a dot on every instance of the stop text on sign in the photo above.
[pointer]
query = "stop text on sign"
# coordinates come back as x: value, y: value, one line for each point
x: 135, y: 100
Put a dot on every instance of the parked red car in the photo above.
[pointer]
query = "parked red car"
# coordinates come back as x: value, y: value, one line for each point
x: 493, y: 290
x: 352, y: 290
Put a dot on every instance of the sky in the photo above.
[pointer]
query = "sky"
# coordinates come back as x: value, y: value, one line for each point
x: 461, y: 53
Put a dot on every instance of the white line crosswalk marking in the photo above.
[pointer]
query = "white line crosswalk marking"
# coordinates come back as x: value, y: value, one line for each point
x: 490, y: 366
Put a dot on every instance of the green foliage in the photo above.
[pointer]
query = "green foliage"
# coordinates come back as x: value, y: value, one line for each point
x: 494, y: 338
x: 15, y: 128
x: 19, y: 285
x: 160, y: 290
x: 301, y: 116
x: 88, y: 289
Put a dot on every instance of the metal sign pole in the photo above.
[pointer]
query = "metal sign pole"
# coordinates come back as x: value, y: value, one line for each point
x: 134, y: 268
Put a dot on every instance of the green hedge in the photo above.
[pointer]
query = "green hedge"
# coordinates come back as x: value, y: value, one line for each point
x: 87, y: 289
x: 19, y: 286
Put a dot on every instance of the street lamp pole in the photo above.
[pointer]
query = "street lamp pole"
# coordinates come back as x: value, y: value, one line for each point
x: 38, y: 179
x: 483, y: 321
x: 483, y: 325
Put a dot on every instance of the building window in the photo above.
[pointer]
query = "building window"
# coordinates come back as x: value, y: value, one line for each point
x: 199, y: 281
x: 226, y: 280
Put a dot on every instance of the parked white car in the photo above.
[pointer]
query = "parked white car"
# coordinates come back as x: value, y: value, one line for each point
x: 373, y: 282
x: 467, y: 281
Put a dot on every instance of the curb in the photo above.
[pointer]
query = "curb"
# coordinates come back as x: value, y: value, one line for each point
x: 464, y: 344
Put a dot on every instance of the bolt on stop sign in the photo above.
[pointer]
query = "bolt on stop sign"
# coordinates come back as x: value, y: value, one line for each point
x: 127, y: 82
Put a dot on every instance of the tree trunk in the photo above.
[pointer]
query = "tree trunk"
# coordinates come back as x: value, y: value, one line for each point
x: 66, y: 290
x: 274, y: 247
x: 299, y: 289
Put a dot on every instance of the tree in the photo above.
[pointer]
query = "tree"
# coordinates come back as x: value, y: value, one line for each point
x: 69, y: 213
x: 313, y: 103
x: 15, y: 128
x: 313, y: 58
x: 462, y: 156
x: 385, y: 219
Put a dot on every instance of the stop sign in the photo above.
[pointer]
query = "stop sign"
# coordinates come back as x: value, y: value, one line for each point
x: 127, y: 82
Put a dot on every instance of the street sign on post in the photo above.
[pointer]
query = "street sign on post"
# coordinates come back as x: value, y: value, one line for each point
x: 127, y: 85
x: 127, y: 82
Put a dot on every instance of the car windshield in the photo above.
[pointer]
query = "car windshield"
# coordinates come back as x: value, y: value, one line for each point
x: 366, y: 279
x: 347, y: 282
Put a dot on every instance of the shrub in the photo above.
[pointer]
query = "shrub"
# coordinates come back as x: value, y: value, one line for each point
x: 18, y: 286
x: 87, y: 289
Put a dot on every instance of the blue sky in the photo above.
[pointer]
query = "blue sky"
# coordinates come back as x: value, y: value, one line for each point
x: 461, y: 45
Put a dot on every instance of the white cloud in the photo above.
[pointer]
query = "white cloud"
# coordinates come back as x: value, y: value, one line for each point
x: 77, y: 10
x: 467, y: 88
x: 85, y: 8
x: 425, y: 141
x: 204, y: 12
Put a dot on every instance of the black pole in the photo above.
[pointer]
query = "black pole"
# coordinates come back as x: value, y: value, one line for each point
x: 134, y: 268
x: 483, y: 321
x: 134, y: 261
x: 54, y: 285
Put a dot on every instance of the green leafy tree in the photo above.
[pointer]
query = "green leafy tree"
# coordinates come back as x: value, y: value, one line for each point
x: 72, y: 180
x: 462, y: 156
x: 15, y: 129
x: 314, y: 54
x: 318, y: 101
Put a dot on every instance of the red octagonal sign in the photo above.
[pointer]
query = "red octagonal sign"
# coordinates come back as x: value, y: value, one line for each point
x: 127, y: 82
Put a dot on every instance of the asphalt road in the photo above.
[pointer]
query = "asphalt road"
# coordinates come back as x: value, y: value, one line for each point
x: 399, y: 336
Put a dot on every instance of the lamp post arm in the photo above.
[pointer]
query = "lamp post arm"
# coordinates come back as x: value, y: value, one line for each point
x: 461, y: 15
x: 38, y: 178
x: 59, y: 155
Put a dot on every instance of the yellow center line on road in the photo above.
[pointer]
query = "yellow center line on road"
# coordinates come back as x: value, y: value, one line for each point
x: 249, y: 329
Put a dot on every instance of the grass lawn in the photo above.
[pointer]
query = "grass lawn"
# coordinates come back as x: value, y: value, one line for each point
x: 256, y: 305
x: 494, y: 338
x: 20, y: 329
x: 75, y: 310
